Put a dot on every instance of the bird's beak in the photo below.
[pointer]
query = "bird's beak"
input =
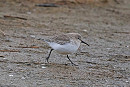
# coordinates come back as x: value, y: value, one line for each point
x: 84, y: 42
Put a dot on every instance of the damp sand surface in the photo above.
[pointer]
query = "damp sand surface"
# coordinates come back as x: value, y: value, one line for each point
x: 105, y: 63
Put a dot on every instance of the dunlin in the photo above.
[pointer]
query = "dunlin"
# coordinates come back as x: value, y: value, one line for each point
x: 65, y: 44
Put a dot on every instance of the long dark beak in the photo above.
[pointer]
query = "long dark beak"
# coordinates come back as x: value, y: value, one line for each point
x: 84, y: 42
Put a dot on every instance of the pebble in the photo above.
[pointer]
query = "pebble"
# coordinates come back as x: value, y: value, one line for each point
x: 85, y: 30
x: 127, y: 46
x: 29, y: 13
x: 127, y: 81
x: 11, y: 75
x: 108, y: 48
x: 43, y: 67
x: 32, y: 36
x: 23, y: 78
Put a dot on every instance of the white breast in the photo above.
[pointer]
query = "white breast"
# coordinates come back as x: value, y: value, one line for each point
x: 67, y: 48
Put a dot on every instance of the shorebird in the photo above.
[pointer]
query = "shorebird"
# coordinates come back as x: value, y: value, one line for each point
x: 65, y: 44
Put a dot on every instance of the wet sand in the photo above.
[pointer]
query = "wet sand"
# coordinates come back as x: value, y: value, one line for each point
x: 105, y: 63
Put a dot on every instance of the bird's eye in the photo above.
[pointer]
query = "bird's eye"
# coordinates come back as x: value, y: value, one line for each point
x: 78, y: 38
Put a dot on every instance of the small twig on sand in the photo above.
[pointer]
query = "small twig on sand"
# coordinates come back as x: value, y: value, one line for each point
x: 27, y: 47
x: 8, y: 16
x: 9, y: 51
x: 1, y: 56
x: 2, y: 32
x: 117, y: 1
x: 47, y: 5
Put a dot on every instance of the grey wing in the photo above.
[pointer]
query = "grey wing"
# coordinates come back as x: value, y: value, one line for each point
x: 60, y: 39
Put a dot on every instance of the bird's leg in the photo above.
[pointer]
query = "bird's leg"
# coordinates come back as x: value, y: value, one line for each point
x: 49, y: 55
x: 71, y: 61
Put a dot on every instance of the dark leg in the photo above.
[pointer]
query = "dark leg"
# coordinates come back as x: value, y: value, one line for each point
x: 71, y: 61
x: 49, y: 55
